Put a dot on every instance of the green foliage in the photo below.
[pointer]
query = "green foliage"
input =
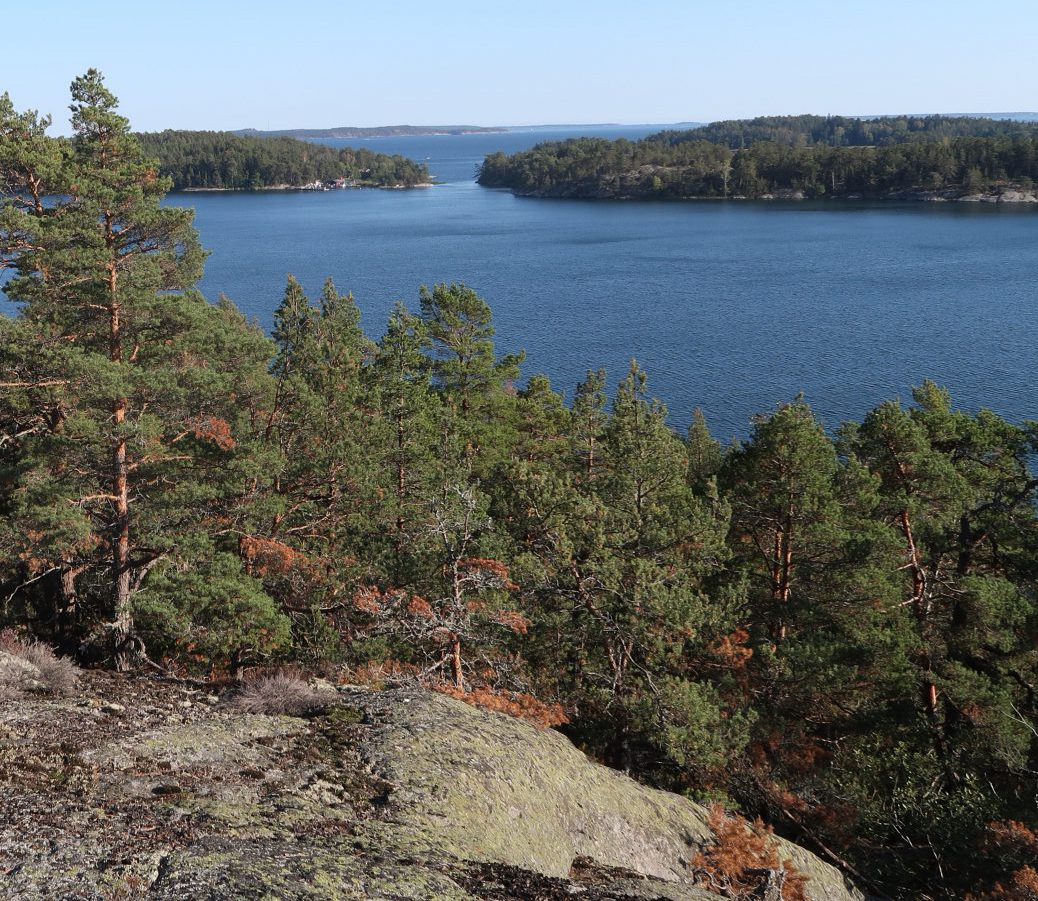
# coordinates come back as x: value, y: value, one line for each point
x: 704, y: 453
x: 888, y: 787
x: 719, y: 162
x: 836, y: 632
x: 847, y: 131
x: 697, y: 731
x: 219, y: 159
x: 127, y: 366
x: 212, y: 614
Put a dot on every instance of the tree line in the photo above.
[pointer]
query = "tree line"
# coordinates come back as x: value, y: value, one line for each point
x: 673, y: 169
x: 846, y: 131
x: 219, y: 159
x: 833, y: 631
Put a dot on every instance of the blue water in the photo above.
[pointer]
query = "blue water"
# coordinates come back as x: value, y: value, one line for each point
x: 734, y: 307
x: 455, y: 158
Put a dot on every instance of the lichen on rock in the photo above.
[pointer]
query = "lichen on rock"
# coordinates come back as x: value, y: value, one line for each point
x: 403, y: 794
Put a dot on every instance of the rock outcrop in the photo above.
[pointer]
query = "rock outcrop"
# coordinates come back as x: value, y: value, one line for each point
x: 1004, y: 194
x: 135, y: 788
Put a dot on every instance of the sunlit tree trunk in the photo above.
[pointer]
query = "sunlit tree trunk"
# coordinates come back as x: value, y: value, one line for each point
x: 123, y: 619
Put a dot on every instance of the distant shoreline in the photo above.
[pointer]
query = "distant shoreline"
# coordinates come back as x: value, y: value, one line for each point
x: 1003, y: 195
x: 301, y: 188
x: 386, y: 131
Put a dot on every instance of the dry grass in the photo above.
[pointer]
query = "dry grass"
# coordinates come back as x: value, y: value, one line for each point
x: 380, y: 675
x: 283, y: 693
x: 31, y: 666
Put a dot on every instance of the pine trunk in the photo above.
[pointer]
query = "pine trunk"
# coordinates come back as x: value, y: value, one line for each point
x: 123, y: 622
x: 122, y: 625
x: 781, y: 582
x: 456, y: 672
x: 401, y: 480
x: 920, y: 607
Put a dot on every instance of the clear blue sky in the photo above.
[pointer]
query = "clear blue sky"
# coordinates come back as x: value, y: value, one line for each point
x: 317, y: 63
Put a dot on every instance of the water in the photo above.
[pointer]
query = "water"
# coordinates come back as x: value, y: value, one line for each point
x: 455, y: 158
x: 733, y: 307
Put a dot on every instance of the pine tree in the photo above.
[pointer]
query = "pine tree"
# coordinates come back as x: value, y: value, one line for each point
x: 311, y: 523
x: 704, y: 453
x: 641, y: 551
x: 407, y: 413
x: 957, y: 498
x: 475, y: 385
x: 131, y: 460
x: 589, y: 419
x: 785, y: 509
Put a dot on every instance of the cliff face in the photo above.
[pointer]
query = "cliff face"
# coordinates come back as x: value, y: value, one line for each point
x: 133, y: 789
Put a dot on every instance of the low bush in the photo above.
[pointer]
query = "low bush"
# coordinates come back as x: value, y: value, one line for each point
x: 516, y: 704
x: 281, y: 693
x: 31, y: 666
x: 743, y: 862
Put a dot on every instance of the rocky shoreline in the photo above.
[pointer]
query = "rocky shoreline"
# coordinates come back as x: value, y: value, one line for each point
x: 946, y: 195
x: 631, y: 187
x: 398, y: 187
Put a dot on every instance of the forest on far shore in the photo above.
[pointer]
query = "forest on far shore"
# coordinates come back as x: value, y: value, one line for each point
x: 847, y: 131
x: 812, y: 156
x: 836, y: 632
x: 222, y: 160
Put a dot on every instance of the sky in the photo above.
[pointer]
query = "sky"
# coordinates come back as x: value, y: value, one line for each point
x: 226, y: 64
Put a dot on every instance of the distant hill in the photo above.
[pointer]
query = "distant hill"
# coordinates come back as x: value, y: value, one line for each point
x: 1019, y: 116
x: 596, y: 126
x: 382, y: 131
x: 833, y: 130
x: 396, y: 131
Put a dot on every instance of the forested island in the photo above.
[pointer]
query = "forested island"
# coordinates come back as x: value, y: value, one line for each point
x: 794, y: 157
x: 219, y: 160
x: 834, y: 632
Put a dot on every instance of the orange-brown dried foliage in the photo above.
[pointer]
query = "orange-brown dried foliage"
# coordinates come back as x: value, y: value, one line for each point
x: 731, y: 650
x: 516, y: 704
x: 1023, y: 886
x: 214, y: 430
x: 368, y: 599
x: 266, y: 557
x: 511, y: 620
x: 378, y: 674
x: 492, y: 569
x: 1013, y: 835
x: 1014, y: 838
x: 419, y: 607
x: 742, y: 858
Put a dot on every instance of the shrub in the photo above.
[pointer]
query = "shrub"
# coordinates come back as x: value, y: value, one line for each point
x: 1014, y: 846
x: 1023, y: 886
x: 210, y: 615
x: 743, y: 862
x: 517, y: 704
x: 284, y: 693
x: 33, y: 666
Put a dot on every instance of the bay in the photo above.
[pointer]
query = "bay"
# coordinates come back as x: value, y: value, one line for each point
x: 732, y: 307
